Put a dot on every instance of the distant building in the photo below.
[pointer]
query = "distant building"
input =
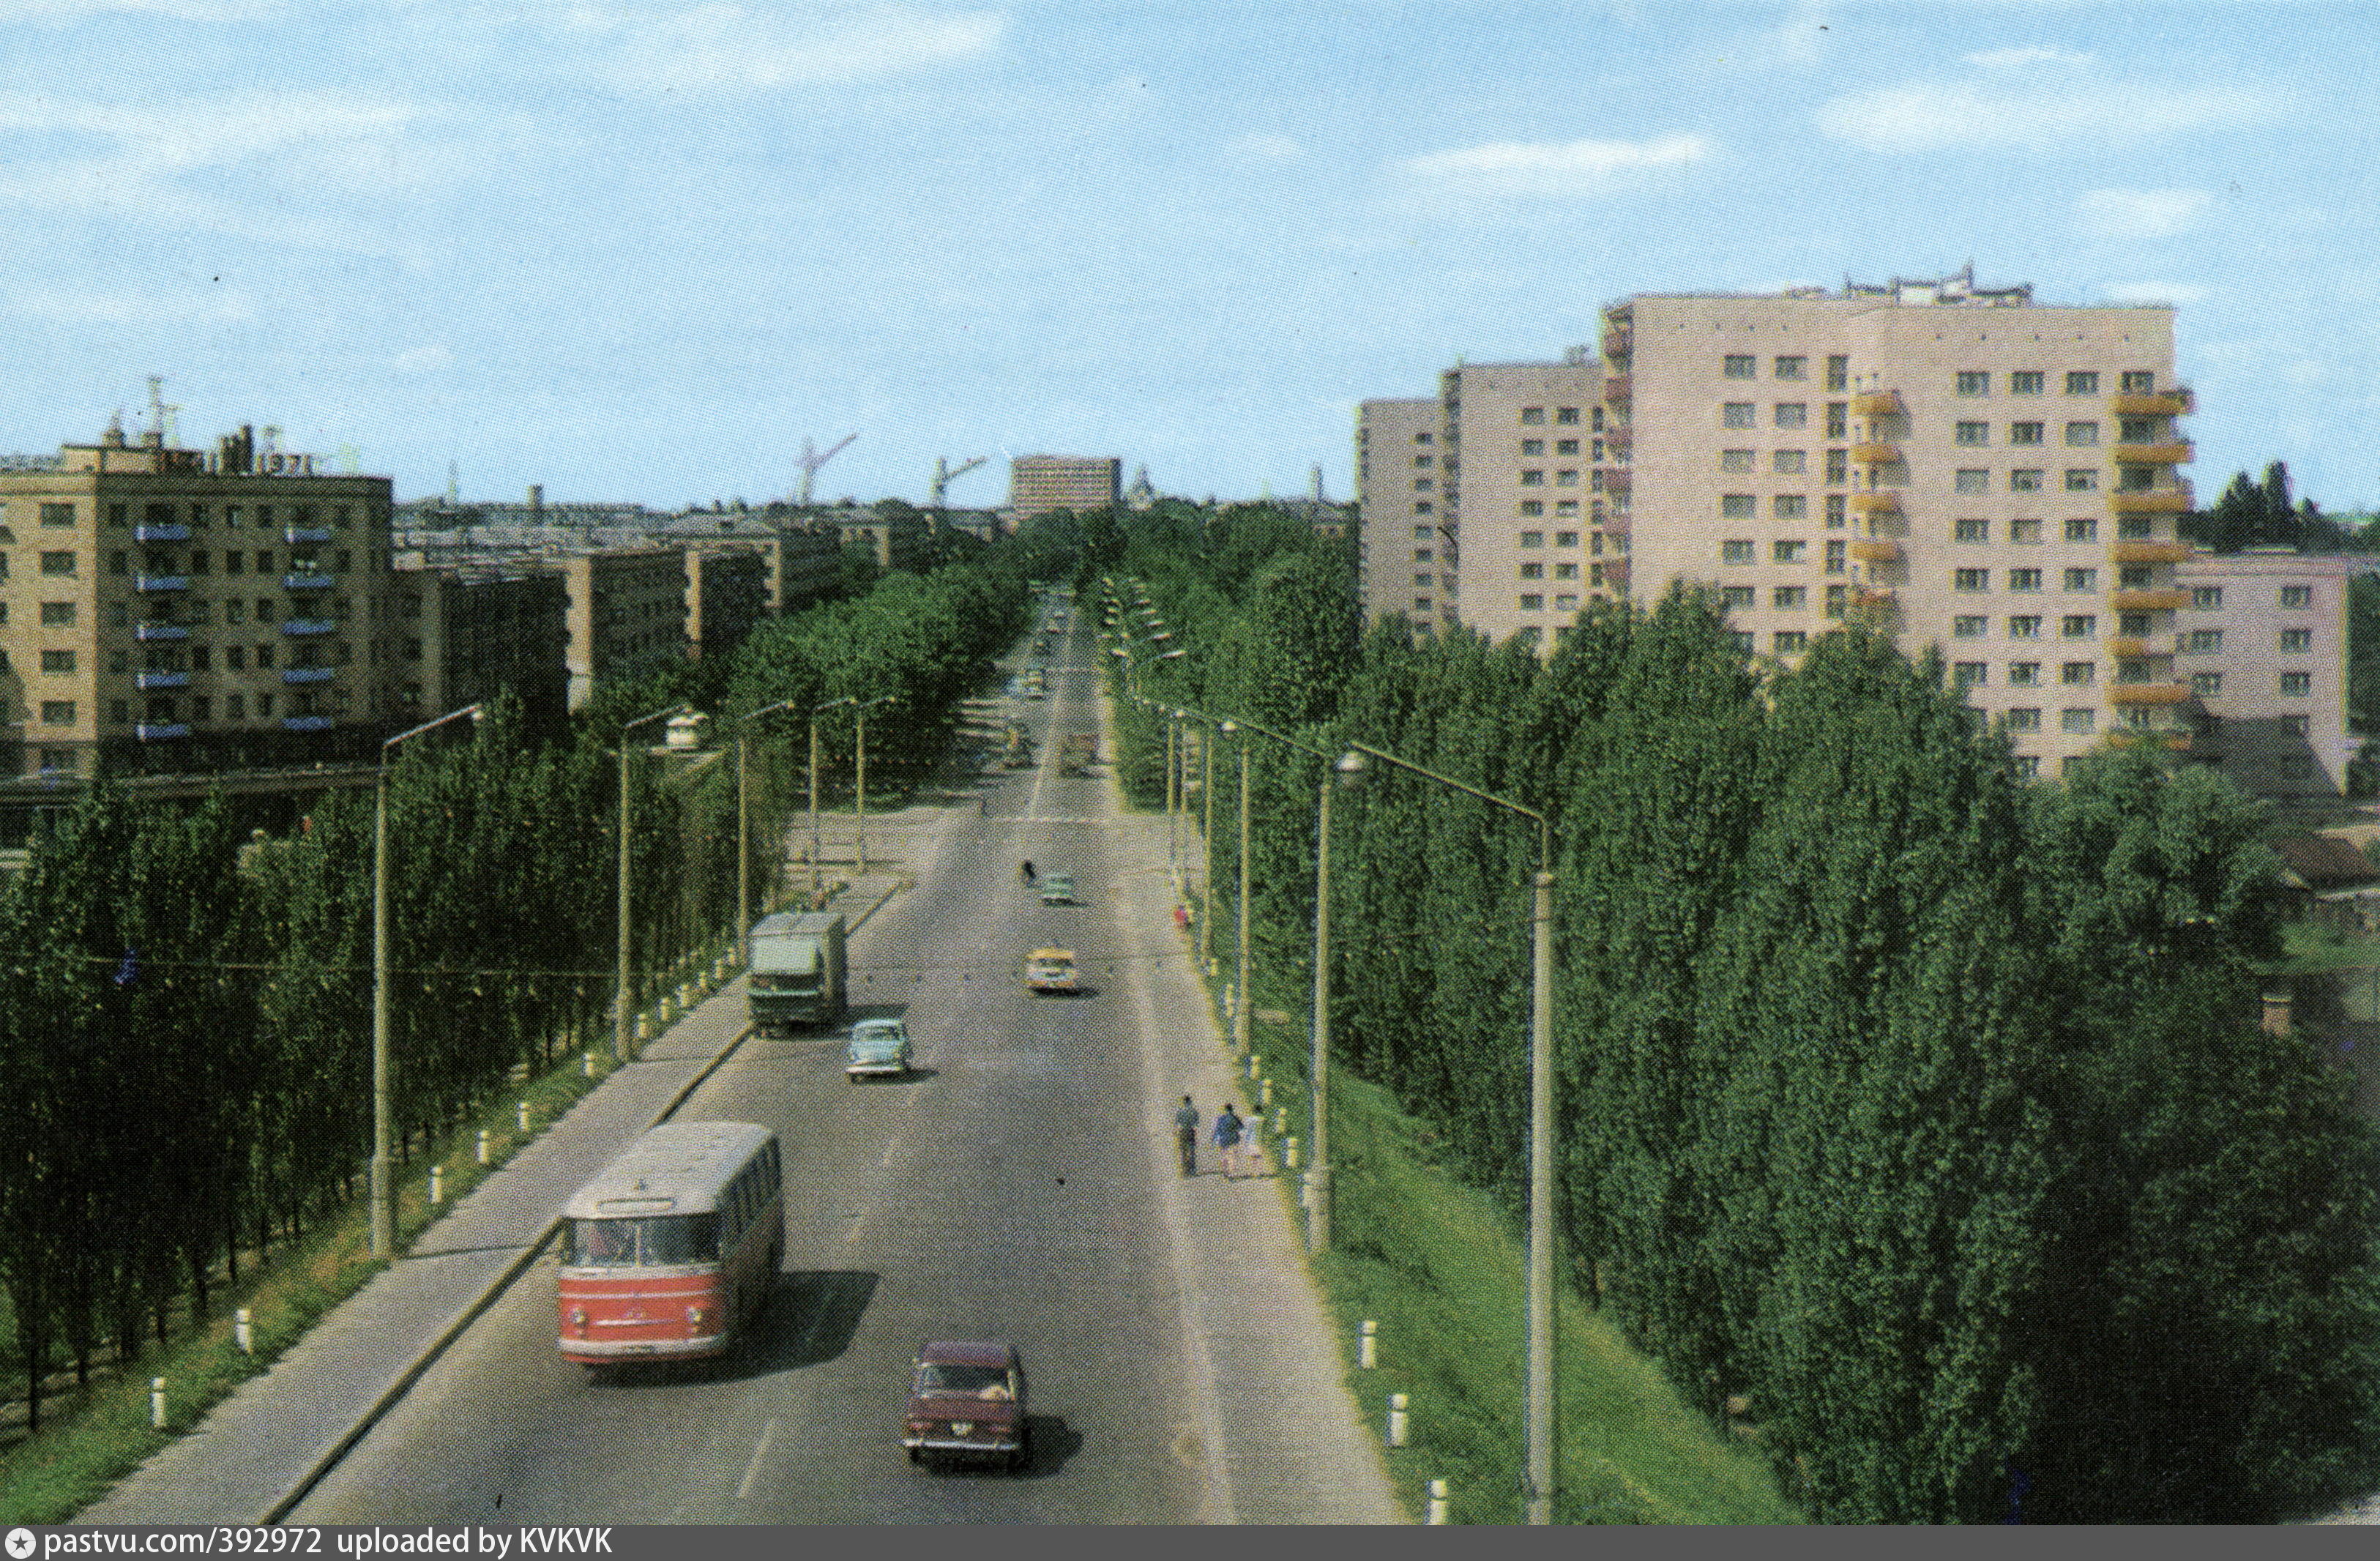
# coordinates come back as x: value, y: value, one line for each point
x: 1038, y: 485
x: 1405, y: 564
x: 2260, y: 651
x: 182, y: 609
x: 468, y: 636
x: 727, y: 593
x: 626, y: 613
x: 897, y: 534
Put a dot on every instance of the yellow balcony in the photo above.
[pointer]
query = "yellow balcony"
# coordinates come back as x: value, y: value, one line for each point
x: 2152, y: 551
x: 2132, y: 649
x: 1876, y: 455
x: 1617, y: 341
x: 2177, y: 741
x: 1883, y: 501
x: 2152, y: 501
x: 2149, y: 601
x: 2162, y: 404
x: 1615, y: 478
x: 2173, y: 452
x: 2147, y: 693
x: 1617, y: 388
x: 1877, y: 404
x: 1875, y: 550
x: 1876, y: 604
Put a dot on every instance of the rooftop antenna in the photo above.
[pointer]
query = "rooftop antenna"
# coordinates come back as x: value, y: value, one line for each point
x: 453, y: 481
x: 161, y: 415
x: 812, y: 460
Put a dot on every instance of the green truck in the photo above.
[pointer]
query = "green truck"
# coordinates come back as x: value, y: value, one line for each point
x: 799, y: 972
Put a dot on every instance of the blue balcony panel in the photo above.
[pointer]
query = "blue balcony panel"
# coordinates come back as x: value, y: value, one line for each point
x: 308, y: 674
x: 161, y: 679
x: 307, y: 723
x: 151, y: 731
x: 306, y: 533
x: 175, y: 532
x: 306, y: 582
x: 162, y: 631
x: 308, y: 626
x: 165, y: 582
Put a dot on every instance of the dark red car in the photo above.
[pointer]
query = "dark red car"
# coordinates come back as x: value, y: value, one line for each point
x: 967, y: 1400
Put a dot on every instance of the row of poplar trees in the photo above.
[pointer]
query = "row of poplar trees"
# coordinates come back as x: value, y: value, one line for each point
x: 186, y: 1006
x: 1924, y: 1111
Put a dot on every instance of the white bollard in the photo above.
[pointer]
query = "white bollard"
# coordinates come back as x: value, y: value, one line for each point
x: 1251, y: 1068
x: 157, y: 1403
x: 243, y: 1332
x: 1279, y: 1119
x: 1436, y: 1503
x: 1267, y: 1086
x: 1289, y: 1152
x: 1396, y: 1419
x: 482, y: 1147
x: 587, y: 1064
x: 1367, y: 1354
x: 522, y: 1116
x: 437, y: 1185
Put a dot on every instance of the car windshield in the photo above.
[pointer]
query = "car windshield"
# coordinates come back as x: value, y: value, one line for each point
x: 659, y: 1240
x: 978, y: 1382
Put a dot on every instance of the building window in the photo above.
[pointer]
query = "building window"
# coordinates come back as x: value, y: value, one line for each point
x: 1790, y: 642
x: 1838, y: 599
x: 1973, y: 479
x: 1565, y: 539
x: 1834, y: 549
x: 2204, y: 642
x: 62, y: 563
x: 1786, y: 550
x: 1736, y: 550
x: 2206, y: 684
x: 2081, y: 480
x: 1532, y: 416
x: 57, y: 615
x: 1968, y: 626
x: 1533, y: 539
x: 2025, y: 382
x: 1565, y: 571
x: 1533, y: 446
x: 1569, y: 479
x: 2027, y: 766
x: 1528, y: 572
x: 1839, y: 373
x: 1837, y: 509
x: 1566, y: 415
x: 1792, y: 414
x: 1967, y: 675
x: 2078, y: 674
x: 2139, y: 381
x: 1789, y: 463
x: 2025, y: 628
x: 2027, y: 434
x: 1565, y: 507
x: 1976, y: 433
x: 2135, y: 577
x: 2082, y: 580
x: 1739, y: 414
x: 1790, y: 598
x: 2079, y: 626
x: 2024, y: 673
x: 57, y: 663
x: 2081, y: 435
x: 2083, y: 382
x: 2025, y: 480
x: 1532, y: 478
x: 1533, y: 603
x: 1791, y: 506
x: 1972, y: 530
x: 1738, y: 507
x: 2077, y: 721
x: 57, y: 514
x: 1793, y: 368
x: 263, y: 609
x: 1736, y: 598
x: 1740, y: 366
x: 2297, y: 685
x: 2024, y: 719
x: 1970, y: 580
x: 2206, y: 597
x: 1974, y: 381
x: 57, y: 713
x: 2081, y: 528
x: 1838, y: 466
x: 2297, y: 725
x: 2291, y: 596
x: 2024, y: 579
x: 1533, y: 506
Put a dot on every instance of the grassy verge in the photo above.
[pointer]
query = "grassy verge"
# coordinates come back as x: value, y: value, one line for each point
x: 92, y: 1437
x: 1440, y: 1271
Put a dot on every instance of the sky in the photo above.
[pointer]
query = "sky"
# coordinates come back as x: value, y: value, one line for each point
x: 641, y: 252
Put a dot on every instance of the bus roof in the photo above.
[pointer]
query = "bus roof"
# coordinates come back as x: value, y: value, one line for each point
x: 677, y: 1168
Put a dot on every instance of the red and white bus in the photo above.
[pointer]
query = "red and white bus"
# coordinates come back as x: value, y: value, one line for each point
x: 675, y: 1247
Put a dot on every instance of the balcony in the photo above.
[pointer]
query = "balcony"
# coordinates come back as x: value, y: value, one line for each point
x: 294, y: 534
x: 1875, y: 550
x: 2170, y: 452
x: 307, y: 582
x: 307, y: 723
x: 1876, y: 605
x: 2175, y: 500
x: 1877, y: 404
x: 2162, y: 404
x: 1614, y: 478
x: 2130, y: 647
x: 1618, y: 341
x: 151, y: 731
x: 2147, y: 693
x: 2152, y: 551
x: 1880, y: 500
x: 2149, y: 601
x: 308, y: 626
x: 175, y: 532
x: 2169, y: 737
x: 161, y: 679
x: 162, y: 582
x: 161, y: 632
x: 1616, y: 389
x: 1618, y: 445
x: 309, y: 674
x: 1876, y: 453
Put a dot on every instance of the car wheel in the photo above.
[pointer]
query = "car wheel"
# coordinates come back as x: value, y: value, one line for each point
x: 916, y: 1455
x: 1022, y: 1459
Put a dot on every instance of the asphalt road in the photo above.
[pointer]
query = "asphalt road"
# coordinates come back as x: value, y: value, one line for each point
x: 1008, y: 1190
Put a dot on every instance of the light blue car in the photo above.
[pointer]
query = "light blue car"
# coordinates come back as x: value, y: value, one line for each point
x: 878, y: 1047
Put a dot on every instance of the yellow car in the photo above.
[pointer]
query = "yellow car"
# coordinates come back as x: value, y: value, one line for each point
x: 1050, y: 969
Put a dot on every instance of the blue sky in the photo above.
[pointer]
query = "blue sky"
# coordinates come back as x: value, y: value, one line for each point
x: 639, y: 251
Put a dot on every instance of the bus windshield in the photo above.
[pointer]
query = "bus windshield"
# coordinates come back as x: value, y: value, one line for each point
x: 651, y: 1241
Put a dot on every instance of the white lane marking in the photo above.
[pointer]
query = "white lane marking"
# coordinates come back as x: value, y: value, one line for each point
x: 752, y: 1469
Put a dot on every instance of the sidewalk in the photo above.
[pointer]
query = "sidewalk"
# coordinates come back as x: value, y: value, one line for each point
x: 255, y: 1454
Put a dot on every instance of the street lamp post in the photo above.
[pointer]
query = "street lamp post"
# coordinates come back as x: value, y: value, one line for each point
x: 743, y: 831
x: 816, y: 710
x: 1541, y: 1430
x: 622, y: 1003
x: 384, y: 1180
x: 859, y: 788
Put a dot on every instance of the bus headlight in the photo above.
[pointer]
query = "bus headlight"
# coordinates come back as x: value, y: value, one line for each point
x: 694, y: 1318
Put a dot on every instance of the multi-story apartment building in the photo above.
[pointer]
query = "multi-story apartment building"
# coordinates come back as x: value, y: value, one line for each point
x: 468, y: 635
x: 180, y: 609
x: 727, y: 593
x: 625, y: 613
x: 1404, y: 561
x: 2261, y: 643
x: 897, y: 534
x: 1038, y: 485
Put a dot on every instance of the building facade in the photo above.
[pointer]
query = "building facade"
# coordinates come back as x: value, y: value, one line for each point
x: 625, y: 611
x: 466, y: 636
x: 177, y: 609
x: 1038, y: 485
x: 2261, y: 641
x: 1404, y: 559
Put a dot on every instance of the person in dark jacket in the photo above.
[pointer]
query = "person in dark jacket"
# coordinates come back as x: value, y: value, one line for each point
x: 1185, y: 1132
x: 1227, y: 1140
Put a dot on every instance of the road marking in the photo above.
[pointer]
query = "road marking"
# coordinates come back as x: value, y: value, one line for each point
x: 752, y: 1469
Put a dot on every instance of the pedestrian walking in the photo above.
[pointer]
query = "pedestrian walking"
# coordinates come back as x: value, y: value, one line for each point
x: 1227, y: 1140
x: 1185, y: 1133
x: 1252, y: 1154
x: 1026, y: 871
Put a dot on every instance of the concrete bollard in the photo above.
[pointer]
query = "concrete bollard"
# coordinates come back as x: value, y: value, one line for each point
x: 585, y: 1067
x: 481, y: 1147
x: 1397, y: 1419
x: 1366, y: 1351
x: 157, y: 1403
x: 644, y: 1028
x: 522, y: 1116
x: 1279, y: 1120
x: 1289, y: 1152
x: 1253, y: 1063
x: 1265, y: 1086
x: 437, y: 1185
x: 1437, y: 1504
x: 243, y: 1330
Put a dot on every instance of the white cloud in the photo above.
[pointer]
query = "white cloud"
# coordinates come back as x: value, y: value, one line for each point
x: 2017, y: 59
x: 2142, y: 213
x: 1925, y: 116
x: 724, y: 47
x: 1566, y: 168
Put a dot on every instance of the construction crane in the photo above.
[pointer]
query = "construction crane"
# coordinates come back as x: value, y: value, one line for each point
x: 812, y: 460
x: 161, y: 412
x: 945, y: 473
